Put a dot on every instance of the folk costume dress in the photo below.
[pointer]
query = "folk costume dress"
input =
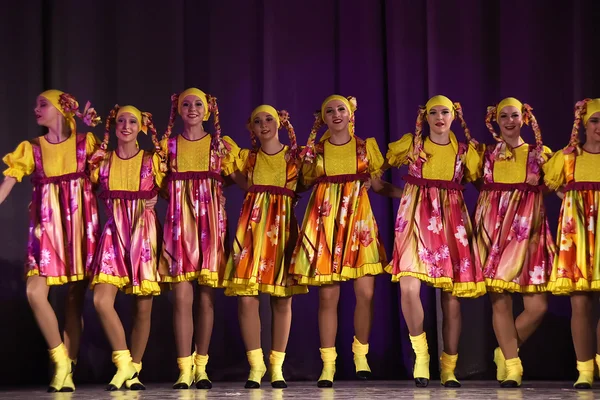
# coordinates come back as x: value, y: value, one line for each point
x: 513, y: 243
x: 433, y: 227
x: 63, y: 213
x: 267, y: 229
x: 194, y: 241
x: 127, y: 254
x: 339, y: 238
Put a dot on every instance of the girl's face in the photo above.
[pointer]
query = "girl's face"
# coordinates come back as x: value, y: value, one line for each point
x: 45, y: 113
x: 592, y: 128
x: 439, y: 119
x: 127, y: 128
x: 192, y: 110
x: 264, y: 127
x: 337, y: 116
x: 510, y: 121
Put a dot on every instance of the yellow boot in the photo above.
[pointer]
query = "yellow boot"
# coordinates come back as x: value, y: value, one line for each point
x: 421, y: 369
x: 125, y: 369
x: 276, y: 365
x: 500, y: 364
x: 448, y: 365
x: 514, y: 373
x: 62, y: 368
x: 256, y: 359
x: 186, y: 372
x: 586, y: 374
x: 200, y: 375
x: 328, y: 355
x: 598, y: 363
x: 360, y: 359
x: 69, y: 385
x: 134, y: 383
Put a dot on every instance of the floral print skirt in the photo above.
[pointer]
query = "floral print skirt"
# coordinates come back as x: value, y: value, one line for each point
x: 433, y: 241
x: 339, y: 238
x: 262, y: 249
x: 127, y: 254
x: 577, y: 264
x: 513, y: 244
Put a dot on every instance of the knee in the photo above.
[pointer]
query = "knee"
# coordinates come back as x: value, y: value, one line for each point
x: 451, y: 306
x: 329, y: 296
x: 35, y: 297
x: 206, y: 299
x: 539, y: 308
x: 143, y: 310
x: 364, y: 294
x: 410, y: 292
x: 581, y: 305
x: 102, y: 303
x: 501, y: 305
x: 281, y: 305
x: 183, y: 299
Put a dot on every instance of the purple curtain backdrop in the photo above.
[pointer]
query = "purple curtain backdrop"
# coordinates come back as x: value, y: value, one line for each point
x: 391, y: 54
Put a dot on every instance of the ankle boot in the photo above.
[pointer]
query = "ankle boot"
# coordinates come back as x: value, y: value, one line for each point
x: 276, y: 366
x: 586, y: 374
x: 186, y: 373
x: 448, y: 365
x: 200, y: 375
x: 257, y: 368
x: 328, y: 355
x: 62, y: 368
x: 514, y: 373
x: 125, y: 369
x: 421, y: 368
x: 360, y: 359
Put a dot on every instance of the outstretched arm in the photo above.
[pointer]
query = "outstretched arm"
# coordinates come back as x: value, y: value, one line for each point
x: 239, y: 179
x: 385, y: 188
x: 5, y: 187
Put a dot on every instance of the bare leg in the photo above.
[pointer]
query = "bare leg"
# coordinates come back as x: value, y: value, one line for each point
x: 281, y: 309
x: 183, y: 319
x: 249, y: 318
x: 205, y: 319
x: 329, y: 296
x: 581, y: 325
x: 73, y: 317
x: 504, y: 324
x: 412, y: 308
x: 535, y: 306
x: 363, y: 313
x: 104, y: 302
x: 37, y: 295
x: 452, y: 323
x: 140, y: 333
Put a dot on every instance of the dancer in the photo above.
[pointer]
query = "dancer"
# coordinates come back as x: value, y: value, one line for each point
x: 195, y: 226
x: 513, y: 244
x: 576, y: 270
x: 63, y: 222
x: 265, y: 237
x: 127, y: 254
x: 339, y: 238
x: 433, y: 230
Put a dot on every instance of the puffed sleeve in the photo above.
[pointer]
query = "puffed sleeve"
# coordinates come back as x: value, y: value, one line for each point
x: 474, y: 162
x: 159, y: 175
x: 398, y: 151
x: 241, y: 160
x: 229, y: 162
x: 91, y: 144
x: 546, y: 153
x: 554, y: 173
x: 164, y: 145
x: 309, y: 173
x: 20, y: 162
x: 375, y: 158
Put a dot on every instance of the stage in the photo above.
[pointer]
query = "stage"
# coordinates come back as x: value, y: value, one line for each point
x: 476, y: 390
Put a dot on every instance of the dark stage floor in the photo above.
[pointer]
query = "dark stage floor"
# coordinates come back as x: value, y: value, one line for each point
x: 479, y: 390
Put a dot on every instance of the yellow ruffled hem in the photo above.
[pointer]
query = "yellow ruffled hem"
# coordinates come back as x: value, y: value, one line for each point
x: 565, y: 286
x: 443, y: 283
x: 204, y: 277
x: 118, y: 281
x: 347, y: 273
x: 146, y: 288
x: 469, y: 290
x: 499, y: 286
x: 249, y: 287
x: 56, y: 280
x: 188, y: 276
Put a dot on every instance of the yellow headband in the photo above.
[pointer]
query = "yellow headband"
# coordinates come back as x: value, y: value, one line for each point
x: 53, y: 96
x: 440, y: 100
x: 507, y: 102
x: 136, y: 113
x: 344, y: 100
x: 198, y: 93
x: 592, y: 108
x: 266, y: 109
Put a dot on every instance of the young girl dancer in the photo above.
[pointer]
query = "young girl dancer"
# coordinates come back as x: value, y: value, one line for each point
x: 265, y: 237
x: 195, y: 226
x: 576, y: 270
x: 513, y: 244
x: 63, y: 221
x: 339, y: 239
x: 127, y: 254
x: 433, y: 230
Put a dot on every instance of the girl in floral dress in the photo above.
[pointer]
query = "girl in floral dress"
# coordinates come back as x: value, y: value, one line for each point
x: 576, y: 269
x: 339, y: 239
x: 195, y: 226
x: 127, y: 254
x: 433, y: 230
x: 265, y: 238
x: 513, y: 244
x: 63, y: 222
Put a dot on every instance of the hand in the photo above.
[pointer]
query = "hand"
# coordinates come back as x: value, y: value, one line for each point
x: 367, y: 184
x: 151, y: 203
